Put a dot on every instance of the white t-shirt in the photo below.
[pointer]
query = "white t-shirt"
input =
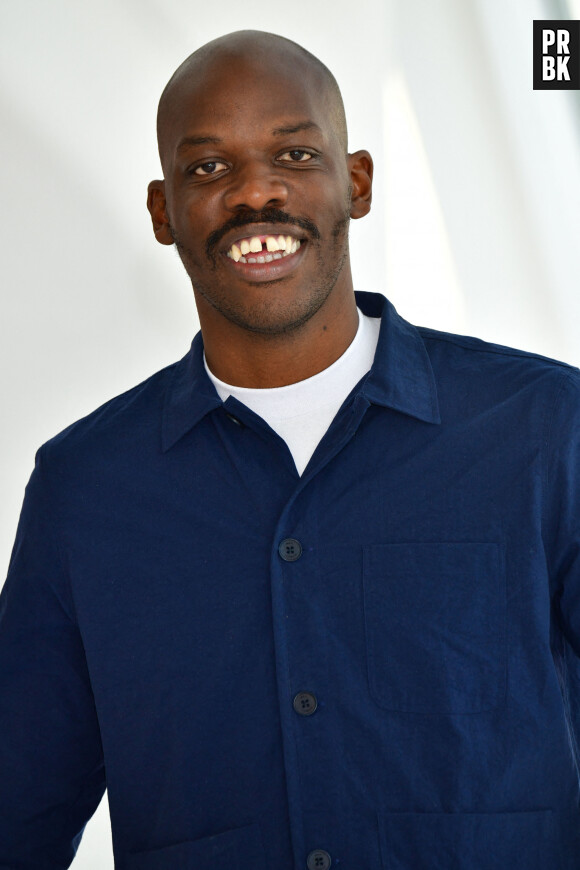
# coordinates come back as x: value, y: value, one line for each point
x: 302, y: 412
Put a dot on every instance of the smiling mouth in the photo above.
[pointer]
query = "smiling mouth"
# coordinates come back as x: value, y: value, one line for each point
x: 263, y: 249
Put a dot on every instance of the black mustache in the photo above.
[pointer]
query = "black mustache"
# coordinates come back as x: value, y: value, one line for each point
x: 268, y: 216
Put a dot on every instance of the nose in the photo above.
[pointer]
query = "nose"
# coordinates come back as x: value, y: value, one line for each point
x: 255, y: 187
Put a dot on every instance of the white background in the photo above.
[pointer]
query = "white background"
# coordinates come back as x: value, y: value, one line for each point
x: 475, y: 226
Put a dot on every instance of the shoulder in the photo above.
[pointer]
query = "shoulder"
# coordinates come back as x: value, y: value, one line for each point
x: 456, y: 356
x: 122, y: 424
x: 486, y: 351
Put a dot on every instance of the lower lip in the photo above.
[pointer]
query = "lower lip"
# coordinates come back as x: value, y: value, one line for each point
x: 272, y: 271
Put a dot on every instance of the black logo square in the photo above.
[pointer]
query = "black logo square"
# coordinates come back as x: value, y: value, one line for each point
x: 556, y: 55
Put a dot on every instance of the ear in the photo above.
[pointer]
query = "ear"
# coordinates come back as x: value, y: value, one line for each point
x: 360, y: 165
x: 158, y: 210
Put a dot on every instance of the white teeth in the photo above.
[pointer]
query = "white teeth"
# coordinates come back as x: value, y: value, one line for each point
x: 277, y: 248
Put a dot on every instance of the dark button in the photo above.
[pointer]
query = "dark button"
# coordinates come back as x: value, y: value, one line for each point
x: 305, y: 703
x: 233, y: 419
x: 290, y: 549
x: 318, y: 860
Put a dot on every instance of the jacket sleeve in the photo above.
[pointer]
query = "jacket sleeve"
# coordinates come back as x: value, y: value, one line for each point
x: 51, y: 761
x: 561, y: 524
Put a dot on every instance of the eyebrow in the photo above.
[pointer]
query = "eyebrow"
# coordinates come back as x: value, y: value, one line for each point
x: 296, y: 128
x: 188, y: 141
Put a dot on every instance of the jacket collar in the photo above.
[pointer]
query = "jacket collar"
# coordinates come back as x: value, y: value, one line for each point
x: 401, y: 377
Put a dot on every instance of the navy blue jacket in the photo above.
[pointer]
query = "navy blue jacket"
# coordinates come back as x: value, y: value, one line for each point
x: 374, y: 666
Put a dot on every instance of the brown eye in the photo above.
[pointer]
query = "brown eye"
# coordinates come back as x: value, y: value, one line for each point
x: 209, y: 168
x: 296, y: 156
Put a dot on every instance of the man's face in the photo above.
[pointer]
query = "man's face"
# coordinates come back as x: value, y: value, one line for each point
x: 257, y: 193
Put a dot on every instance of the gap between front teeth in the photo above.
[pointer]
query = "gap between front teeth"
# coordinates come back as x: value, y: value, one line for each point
x: 276, y: 247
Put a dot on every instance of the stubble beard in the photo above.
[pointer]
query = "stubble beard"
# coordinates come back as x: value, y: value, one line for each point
x: 270, y: 318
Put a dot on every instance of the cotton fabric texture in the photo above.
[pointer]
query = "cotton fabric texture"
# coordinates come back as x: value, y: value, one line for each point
x: 154, y: 633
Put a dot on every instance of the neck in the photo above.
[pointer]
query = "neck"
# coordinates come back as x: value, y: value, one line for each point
x: 244, y: 358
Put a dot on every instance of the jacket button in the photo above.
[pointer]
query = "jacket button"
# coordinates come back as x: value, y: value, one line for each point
x: 305, y: 704
x: 318, y: 860
x: 290, y: 549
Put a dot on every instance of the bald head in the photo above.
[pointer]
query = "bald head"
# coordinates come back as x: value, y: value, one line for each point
x: 268, y: 55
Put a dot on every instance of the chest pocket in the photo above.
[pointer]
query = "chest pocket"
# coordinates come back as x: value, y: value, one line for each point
x: 471, y: 841
x: 435, y: 626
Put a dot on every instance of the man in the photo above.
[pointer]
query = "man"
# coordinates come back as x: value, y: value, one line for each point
x: 310, y: 597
